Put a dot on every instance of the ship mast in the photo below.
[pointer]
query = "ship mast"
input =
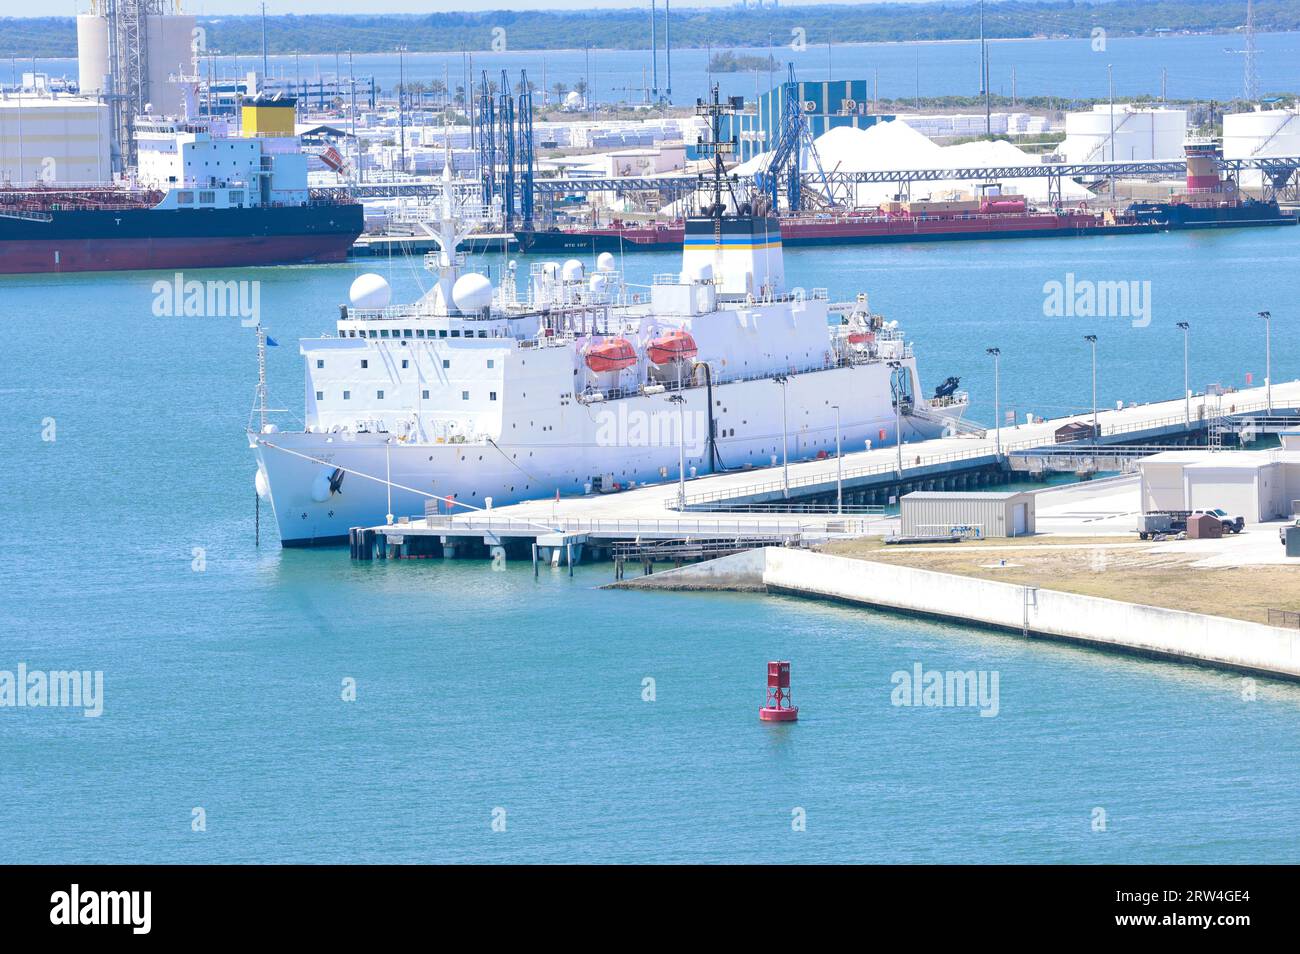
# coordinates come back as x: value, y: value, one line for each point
x: 718, y: 149
x: 261, y: 378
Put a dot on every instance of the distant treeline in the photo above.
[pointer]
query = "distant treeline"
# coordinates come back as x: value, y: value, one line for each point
x: 720, y: 28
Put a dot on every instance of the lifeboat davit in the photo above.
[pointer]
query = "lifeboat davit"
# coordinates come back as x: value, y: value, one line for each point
x: 674, y: 346
x: 612, y: 354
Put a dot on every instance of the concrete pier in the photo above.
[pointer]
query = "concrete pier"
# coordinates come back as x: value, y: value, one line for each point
x: 754, y: 504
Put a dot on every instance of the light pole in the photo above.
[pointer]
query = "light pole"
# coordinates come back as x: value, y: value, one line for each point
x: 996, y: 353
x: 1092, y: 340
x: 782, y: 380
x: 839, y: 465
x: 898, y: 411
x: 1268, y: 359
x: 681, y: 449
x: 1187, y: 389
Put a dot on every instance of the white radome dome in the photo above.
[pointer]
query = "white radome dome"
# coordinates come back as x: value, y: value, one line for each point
x: 597, y: 283
x: 605, y: 262
x: 702, y: 272
x: 572, y: 270
x: 370, y: 291
x: 573, y: 99
x: 472, y: 292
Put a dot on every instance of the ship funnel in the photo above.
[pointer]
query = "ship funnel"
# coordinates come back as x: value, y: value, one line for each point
x: 742, y: 253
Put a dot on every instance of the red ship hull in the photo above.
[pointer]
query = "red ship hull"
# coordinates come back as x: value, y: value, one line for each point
x: 851, y: 229
x: 90, y: 255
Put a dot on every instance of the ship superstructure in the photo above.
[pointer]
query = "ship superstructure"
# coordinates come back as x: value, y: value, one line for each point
x: 570, y: 380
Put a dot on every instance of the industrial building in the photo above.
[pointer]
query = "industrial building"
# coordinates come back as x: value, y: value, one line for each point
x: 967, y: 513
x: 826, y: 105
x: 54, y: 139
x: 1257, y: 485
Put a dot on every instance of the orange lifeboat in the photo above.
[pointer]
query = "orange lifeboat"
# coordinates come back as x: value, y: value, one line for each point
x: 674, y: 346
x: 612, y: 354
x: 860, y: 337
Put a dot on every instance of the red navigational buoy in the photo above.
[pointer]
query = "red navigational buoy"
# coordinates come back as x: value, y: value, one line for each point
x: 778, y: 708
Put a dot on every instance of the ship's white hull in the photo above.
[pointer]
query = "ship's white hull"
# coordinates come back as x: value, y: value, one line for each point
x: 629, y: 440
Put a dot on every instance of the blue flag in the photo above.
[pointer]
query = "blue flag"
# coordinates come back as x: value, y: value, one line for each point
x: 272, y: 342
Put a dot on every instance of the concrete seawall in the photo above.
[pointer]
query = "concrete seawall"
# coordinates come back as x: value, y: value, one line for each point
x: 1111, y: 624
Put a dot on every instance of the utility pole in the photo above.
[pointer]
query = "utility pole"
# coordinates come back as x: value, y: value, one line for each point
x: 996, y: 353
x: 1184, y: 327
x: 1110, y: 81
x: 654, y: 49
x: 668, y: 56
x: 984, y: 77
x: 265, y: 68
x: 356, y: 144
x: 1092, y: 340
x: 401, y: 102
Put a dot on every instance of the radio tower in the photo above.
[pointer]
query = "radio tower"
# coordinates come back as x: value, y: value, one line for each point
x: 1252, y: 73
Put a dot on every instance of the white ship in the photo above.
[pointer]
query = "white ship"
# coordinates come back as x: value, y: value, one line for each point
x: 482, y: 394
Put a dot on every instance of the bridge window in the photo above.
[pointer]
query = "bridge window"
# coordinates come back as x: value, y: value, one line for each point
x: 491, y: 363
x: 320, y: 395
x: 405, y: 364
x: 446, y: 363
x: 320, y: 362
x: 347, y: 395
x: 464, y: 395
x: 492, y: 395
x: 379, y: 395
x: 365, y: 363
x: 425, y: 394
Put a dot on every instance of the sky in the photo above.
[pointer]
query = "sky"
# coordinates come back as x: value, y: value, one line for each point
x: 25, y: 8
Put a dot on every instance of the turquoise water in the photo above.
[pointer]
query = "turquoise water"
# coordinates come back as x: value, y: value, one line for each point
x: 479, y: 690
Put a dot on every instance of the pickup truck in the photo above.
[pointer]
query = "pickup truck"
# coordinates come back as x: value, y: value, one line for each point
x: 1230, y: 523
x: 1281, y: 531
x: 1158, y: 522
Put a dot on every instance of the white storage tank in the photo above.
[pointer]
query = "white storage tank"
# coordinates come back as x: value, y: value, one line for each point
x: 170, y: 43
x: 1141, y: 133
x: 1263, y: 132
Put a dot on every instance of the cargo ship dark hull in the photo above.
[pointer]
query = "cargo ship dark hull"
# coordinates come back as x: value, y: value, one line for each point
x: 1176, y: 215
x: 795, y: 232
x: 85, y: 240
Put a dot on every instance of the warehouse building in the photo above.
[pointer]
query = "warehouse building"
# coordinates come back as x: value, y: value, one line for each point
x: 826, y: 105
x: 53, y: 139
x: 1258, y: 485
x: 968, y: 514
